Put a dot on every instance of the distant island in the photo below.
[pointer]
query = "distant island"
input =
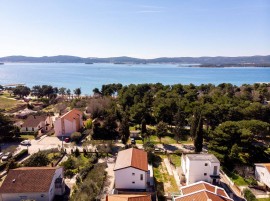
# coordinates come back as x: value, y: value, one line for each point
x: 231, y: 65
x: 243, y: 61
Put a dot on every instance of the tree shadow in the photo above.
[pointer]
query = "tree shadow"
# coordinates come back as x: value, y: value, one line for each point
x: 156, y: 160
x: 169, y: 147
x: 160, y: 190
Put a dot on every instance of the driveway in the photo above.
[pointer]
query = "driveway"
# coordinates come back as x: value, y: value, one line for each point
x: 44, y: 143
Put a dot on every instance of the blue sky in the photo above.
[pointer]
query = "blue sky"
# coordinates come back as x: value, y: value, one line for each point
x: 137, y: 28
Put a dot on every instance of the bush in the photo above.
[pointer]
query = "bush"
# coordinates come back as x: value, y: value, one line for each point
x: 249, y: 195
x: 21, y: 154
x: 88, y: 124
x: 76, y: 136
x: 3, y: 166
x: 37, y: 160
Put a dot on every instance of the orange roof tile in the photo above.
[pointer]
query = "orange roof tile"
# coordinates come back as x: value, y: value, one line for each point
x: 202, y: 195
x: 203, y: 186
x: 132, y: 157
x: 28, y: 179
x: 72, y: 114
x: 267, y: 166
x: 123, y: 197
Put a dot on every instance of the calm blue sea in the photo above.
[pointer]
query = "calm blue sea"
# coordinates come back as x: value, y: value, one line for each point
x: 89, y: 76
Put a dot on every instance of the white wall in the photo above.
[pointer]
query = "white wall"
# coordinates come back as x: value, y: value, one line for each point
x: 29, y: 129
x: 25, y: 196
x: 58, y: 127
x: 195, y: 170
x: 58, y: 173
x: 124, y: 179
x: 70, y: 127
x: 262, y: 175
x: 47, y: 196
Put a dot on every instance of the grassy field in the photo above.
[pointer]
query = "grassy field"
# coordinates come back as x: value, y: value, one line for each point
x: 27, y: 137
x: 176, y: 160
x: 6, y: 103
x: 165, y: 140
x: 162, y: 177
x: 263, y: 199
x: 237, y: 179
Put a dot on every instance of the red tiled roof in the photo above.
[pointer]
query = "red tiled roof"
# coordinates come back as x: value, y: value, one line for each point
x: 72, y: 114
x: 123, y: 197
x: 28, y: 180
x: 132, y: 158
x: 202, y: 196
x: 203, y: 186
x: 34, y: 120
x: 267, y: 166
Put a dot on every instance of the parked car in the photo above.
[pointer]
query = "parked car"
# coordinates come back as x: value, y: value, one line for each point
x: 26, y: 142
x: 132, y: 141
x: 6, y: 156
x: 159, y: 150
x: 67, y: 139
x: 1, y: 154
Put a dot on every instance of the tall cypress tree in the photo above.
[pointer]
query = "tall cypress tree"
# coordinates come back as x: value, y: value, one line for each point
x: 198, y: 141
x: 196, y: 130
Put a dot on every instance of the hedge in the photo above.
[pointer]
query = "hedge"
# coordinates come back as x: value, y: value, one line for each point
x: 21, y: 154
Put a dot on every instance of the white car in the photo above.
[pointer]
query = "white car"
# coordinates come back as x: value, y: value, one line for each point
x: 6, y: 156
x: 26, y: 142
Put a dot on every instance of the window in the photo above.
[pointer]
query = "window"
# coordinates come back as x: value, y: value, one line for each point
x: 133, y: 174
x: 141, y: 176
x: 206, y: 164
x: 32, y: 129
x: 205, y: 174
x: 26, y: 128
x: 133, y: 182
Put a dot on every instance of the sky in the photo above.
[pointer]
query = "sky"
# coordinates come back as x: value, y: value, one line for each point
x: 136, y: 28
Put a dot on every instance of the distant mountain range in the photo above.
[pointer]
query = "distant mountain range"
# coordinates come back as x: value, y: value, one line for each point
x: 181, y: 60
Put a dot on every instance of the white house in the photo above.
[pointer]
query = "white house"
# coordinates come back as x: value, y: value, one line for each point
x: 35, y: 123
x: 68, y: 123
x: 33, y: 183
x: 202, y: 191
x: 131, y: 169
x: 200, y: 167
x: 262, y: 173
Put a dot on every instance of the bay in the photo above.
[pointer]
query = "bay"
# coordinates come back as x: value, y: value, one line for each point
x: 90, y: 76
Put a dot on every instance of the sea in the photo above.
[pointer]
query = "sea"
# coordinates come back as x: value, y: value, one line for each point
x: 90, y: 76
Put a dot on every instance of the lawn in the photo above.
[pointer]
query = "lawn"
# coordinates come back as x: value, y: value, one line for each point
x: 237, y: 179
x: 263, y: 199
x: 165, y: 140
x: 27, y: 137
x: 176, y: 160
x: 162, y: 177
x: 7, y: 103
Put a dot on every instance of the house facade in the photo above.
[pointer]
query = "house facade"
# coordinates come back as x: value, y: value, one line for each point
x: 262, y: 173
x: 68, y: 123
x: 33, y: 183
x: 36, y: 123
x: 200, y: 167
x: 131, y: 170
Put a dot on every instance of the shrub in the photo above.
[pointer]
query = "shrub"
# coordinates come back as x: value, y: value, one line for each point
x: 76, y: 136
x: 37, y: 160
x: 88, y: 124
x: 3, y: 166
x: 249, y: 195
x: 21, y: 154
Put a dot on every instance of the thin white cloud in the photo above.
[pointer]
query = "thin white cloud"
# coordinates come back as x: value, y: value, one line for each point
x: 150, y: 11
